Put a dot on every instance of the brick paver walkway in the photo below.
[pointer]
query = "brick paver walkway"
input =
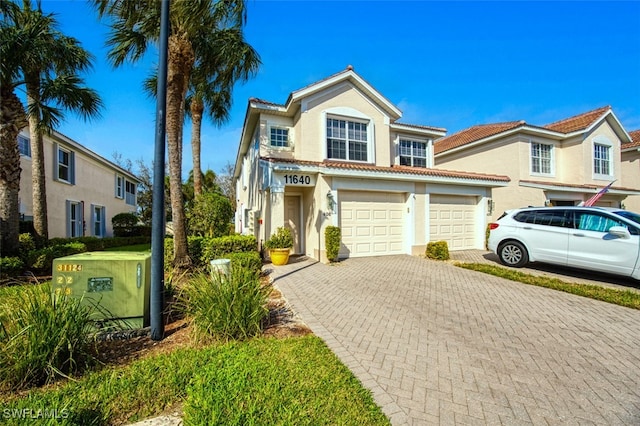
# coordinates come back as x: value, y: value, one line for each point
x: 437, y: 344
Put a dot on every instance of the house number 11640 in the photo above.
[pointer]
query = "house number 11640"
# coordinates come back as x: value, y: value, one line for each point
x: 297, y: 180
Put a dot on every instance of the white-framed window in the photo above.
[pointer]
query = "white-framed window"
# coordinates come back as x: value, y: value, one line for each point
x: 279, y: 137
x: 119, y: 186
x: 98, y: 224
x: 64, y: 167
x: 541, y: 158
x: 24, y: 146
x: 130, y: 193
x: 602, y: 159
x: 347, y: 139
x: 412, y: 152
x: 75, y: 223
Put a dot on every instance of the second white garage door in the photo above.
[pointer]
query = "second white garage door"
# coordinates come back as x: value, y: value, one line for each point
x: 371, y: 223
x: 453, y: 219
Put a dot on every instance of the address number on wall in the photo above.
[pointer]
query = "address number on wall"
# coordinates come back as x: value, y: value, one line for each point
x: 298, y: 180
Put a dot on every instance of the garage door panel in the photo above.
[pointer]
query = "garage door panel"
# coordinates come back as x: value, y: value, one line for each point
x: 453, y: 220
x: 372, y: 223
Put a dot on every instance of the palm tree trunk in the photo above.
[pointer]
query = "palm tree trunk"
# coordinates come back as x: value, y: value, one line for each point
x: 39, y: 189
x: 197, y: 108
x: 12, y: 119
x: 180, y: 61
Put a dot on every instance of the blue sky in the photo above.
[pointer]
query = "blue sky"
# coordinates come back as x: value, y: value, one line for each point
x: 445, y: 64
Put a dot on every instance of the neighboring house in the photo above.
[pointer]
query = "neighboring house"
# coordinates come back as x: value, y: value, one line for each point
x: 84, y: 190
x: 631, y: 168
x: 563, y: 163
x: 335, y: 154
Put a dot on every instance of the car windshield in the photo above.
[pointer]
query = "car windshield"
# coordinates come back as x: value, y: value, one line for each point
x: 635, y: 217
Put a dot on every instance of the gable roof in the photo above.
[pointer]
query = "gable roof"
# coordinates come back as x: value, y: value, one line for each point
x: 579, y: 122
x: 635, y: 141
x: 557, y: 130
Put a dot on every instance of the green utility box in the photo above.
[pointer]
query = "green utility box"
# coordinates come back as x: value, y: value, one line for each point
x: 118, y: 282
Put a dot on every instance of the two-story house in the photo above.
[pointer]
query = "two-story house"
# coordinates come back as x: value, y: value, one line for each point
x: 562, y: 163
x: 84, y: 190
x: 335, y: 154
x: 630, y: 162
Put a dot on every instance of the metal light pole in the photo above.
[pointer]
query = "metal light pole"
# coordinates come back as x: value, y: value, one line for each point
x: 156, y: 303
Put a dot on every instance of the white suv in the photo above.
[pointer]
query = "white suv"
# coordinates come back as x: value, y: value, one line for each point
x: 594, y: 238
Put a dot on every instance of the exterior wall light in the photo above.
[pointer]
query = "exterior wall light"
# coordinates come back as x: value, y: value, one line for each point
x: 331, y: 202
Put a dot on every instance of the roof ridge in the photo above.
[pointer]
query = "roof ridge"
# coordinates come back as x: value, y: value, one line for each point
x: 578, y: 116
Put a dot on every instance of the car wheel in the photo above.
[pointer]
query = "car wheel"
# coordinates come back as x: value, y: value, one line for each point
x: 512, y: 253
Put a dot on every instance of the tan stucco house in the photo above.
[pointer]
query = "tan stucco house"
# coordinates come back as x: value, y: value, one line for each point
x: 562, y: 163
x: 335, y: 154
x: 84, y: 190
x: 630, y: 162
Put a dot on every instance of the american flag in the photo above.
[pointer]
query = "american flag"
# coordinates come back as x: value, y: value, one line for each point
x: 591, y: 201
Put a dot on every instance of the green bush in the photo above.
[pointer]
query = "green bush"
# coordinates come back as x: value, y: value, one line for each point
x: 282, y: 238
x: 332, y: 235
x: 26, y: 244
x: 438, y: 250
x: 124, y: 224
x: 11, y: 267
x: 215, y: 248
x: 247, y: 260
x: 41, y: 337
x: 41, y: 260
x: 209, y: 215
x: 224, y: 308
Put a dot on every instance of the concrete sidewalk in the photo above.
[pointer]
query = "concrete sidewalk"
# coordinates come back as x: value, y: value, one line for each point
x: 438, y: 344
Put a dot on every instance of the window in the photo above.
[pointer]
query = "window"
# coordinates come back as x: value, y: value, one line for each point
x: 413, y: 153
x: 119, y: 186
x: 24, y: 146
x: 279, y: 137
x: 346, y: 140
x: 98, y: 221
x: 558, y: 218
x: 64, y: 167
x: 75, y: 223
x: 541, y: 158
x: 601, y: 159
x: 130, y: 197
x: 595, y: 222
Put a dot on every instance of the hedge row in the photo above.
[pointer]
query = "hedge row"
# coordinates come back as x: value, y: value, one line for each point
x: 204, y: 249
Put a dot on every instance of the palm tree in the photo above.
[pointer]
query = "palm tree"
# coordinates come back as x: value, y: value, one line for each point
x: 46, y: 63
x: 194, y: 25
x: 210, y: 87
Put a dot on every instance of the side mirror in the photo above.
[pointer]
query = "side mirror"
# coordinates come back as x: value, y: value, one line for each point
x: 620, y: 231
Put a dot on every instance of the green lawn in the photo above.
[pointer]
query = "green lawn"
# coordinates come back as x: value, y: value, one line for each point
x: 628, y: 298
x: 263, y: 381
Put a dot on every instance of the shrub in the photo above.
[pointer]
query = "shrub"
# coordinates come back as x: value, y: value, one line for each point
x: 248, y: 260
x: 11, y: 267
x: 41, y: 337
x: 124, y: 224
x: 215, y: 248
x: 209, y: 215
x: 282, y: 238
x: 26, y: 244
x: 438, y: 250
x: 42, y: 259
x: 224, y: 308
x: 332, y: 235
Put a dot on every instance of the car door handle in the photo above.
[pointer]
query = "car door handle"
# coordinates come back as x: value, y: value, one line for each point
x: 578, y: 235
x: 526, y: 227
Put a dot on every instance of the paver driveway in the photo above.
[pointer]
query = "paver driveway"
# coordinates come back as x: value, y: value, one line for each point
x: 437, y: 344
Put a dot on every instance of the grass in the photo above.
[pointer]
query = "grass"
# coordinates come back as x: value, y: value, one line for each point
x: 627, y: 298
x: 262, y: 381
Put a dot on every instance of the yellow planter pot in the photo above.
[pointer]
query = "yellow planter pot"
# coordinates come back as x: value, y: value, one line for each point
x: 279, y: 256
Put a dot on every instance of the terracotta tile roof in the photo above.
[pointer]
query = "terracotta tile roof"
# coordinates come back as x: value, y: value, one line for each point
x: 585, y: 187
x: 635, y: 140
x: 473, y: 134
x: 417, y: 126
x: 578, y: 122
x: 393, y: 169
x: 262, y: 101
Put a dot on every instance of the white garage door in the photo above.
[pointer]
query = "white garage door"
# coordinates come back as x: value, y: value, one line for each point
x: 371, y: 222
x: 452, y: 218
